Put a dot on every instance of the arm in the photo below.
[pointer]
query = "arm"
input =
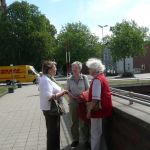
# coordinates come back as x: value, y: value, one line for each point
x: 95, y: 104
x: 58, y: 95
x: 48, y: 91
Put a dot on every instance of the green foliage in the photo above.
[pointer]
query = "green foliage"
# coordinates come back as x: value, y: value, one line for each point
x: 82, y: 44
x: 127, y: 75
x: 26, y: 35
x: 127, y: 40
x: 3, y: 90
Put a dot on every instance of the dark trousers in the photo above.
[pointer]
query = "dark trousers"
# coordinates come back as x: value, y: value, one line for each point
x: 53, y: 131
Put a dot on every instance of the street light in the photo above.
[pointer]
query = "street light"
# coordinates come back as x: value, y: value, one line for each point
x: 102, y: 27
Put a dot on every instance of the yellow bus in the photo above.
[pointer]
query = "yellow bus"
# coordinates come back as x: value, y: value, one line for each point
x: 21, y: 73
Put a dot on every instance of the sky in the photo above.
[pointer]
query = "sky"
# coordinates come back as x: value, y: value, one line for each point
x: 93, y: 12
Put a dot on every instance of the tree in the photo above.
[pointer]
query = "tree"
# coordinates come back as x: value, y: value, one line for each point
x: 26, y: 35
x: 79, y: 41
x: 127, y: 40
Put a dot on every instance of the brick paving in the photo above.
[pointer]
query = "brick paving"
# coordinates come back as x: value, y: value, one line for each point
x: 22, y: 125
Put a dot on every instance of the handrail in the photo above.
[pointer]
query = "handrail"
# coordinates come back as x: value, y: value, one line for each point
x: 132, y: 99
x: 132, y: 93
x: 141, y: 98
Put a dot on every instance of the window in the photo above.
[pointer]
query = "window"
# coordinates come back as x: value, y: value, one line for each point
x: 30, y: 72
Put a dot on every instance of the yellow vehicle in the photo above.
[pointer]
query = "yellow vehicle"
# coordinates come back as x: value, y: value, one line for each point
x: 22, y: 73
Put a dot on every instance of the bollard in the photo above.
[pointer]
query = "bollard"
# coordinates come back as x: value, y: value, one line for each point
x: 10, y: 90
x: 19, y: 85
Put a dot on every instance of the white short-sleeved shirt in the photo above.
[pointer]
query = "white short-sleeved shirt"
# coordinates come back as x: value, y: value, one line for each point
x: 47, y: 89
x: 96, y: 89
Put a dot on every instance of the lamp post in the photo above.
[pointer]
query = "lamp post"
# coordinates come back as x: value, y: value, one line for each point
x: 102, y: 27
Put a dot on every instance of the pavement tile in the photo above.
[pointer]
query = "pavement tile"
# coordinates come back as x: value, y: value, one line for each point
x: 18, y: 148
x: 22, y: 124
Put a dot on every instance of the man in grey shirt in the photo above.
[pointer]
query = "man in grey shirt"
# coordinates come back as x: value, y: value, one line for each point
x: 76, y: 84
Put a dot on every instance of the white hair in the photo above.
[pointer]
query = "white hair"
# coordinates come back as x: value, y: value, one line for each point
x: 94, y: 63
x: 77, y: 63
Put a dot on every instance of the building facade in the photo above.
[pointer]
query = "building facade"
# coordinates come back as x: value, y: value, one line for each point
x: 116, y: 67
x: 141, y: 64
x: 108, y: 61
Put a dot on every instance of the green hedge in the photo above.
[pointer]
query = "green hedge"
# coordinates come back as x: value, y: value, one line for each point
x: 3, y: 90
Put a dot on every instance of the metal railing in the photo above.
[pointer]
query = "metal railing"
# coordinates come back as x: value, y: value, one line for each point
x: 131, y: 96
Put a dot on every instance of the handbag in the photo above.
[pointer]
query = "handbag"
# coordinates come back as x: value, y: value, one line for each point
x: 55, y: 108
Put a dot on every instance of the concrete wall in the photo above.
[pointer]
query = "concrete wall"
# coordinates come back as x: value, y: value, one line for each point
x: 129, y: 127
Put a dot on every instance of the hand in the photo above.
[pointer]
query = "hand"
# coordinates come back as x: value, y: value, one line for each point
x: 78, y: 99
x: 65, y: 92
x: 60, y: 94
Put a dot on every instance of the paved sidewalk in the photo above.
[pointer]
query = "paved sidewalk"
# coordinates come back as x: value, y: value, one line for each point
x: 22, y: 125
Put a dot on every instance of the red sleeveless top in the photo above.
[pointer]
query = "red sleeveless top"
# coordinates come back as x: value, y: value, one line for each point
x: 106, y: 100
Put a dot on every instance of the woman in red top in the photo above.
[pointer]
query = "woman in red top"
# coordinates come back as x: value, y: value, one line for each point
x: 100, y: 104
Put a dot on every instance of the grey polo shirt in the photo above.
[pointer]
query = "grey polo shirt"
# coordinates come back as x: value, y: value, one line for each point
x: 76, y: 87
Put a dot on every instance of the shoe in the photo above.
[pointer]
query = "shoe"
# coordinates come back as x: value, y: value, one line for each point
x: 87, y: 144
x: 74, y: 144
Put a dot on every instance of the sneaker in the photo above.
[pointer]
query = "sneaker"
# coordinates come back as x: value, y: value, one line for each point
x: 74, y: 144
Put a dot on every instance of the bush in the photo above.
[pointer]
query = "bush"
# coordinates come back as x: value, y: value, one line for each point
x: 111, y: 74
x: 127, y: 75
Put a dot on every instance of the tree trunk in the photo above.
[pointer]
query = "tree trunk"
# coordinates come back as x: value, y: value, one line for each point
x: 124, y: 64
